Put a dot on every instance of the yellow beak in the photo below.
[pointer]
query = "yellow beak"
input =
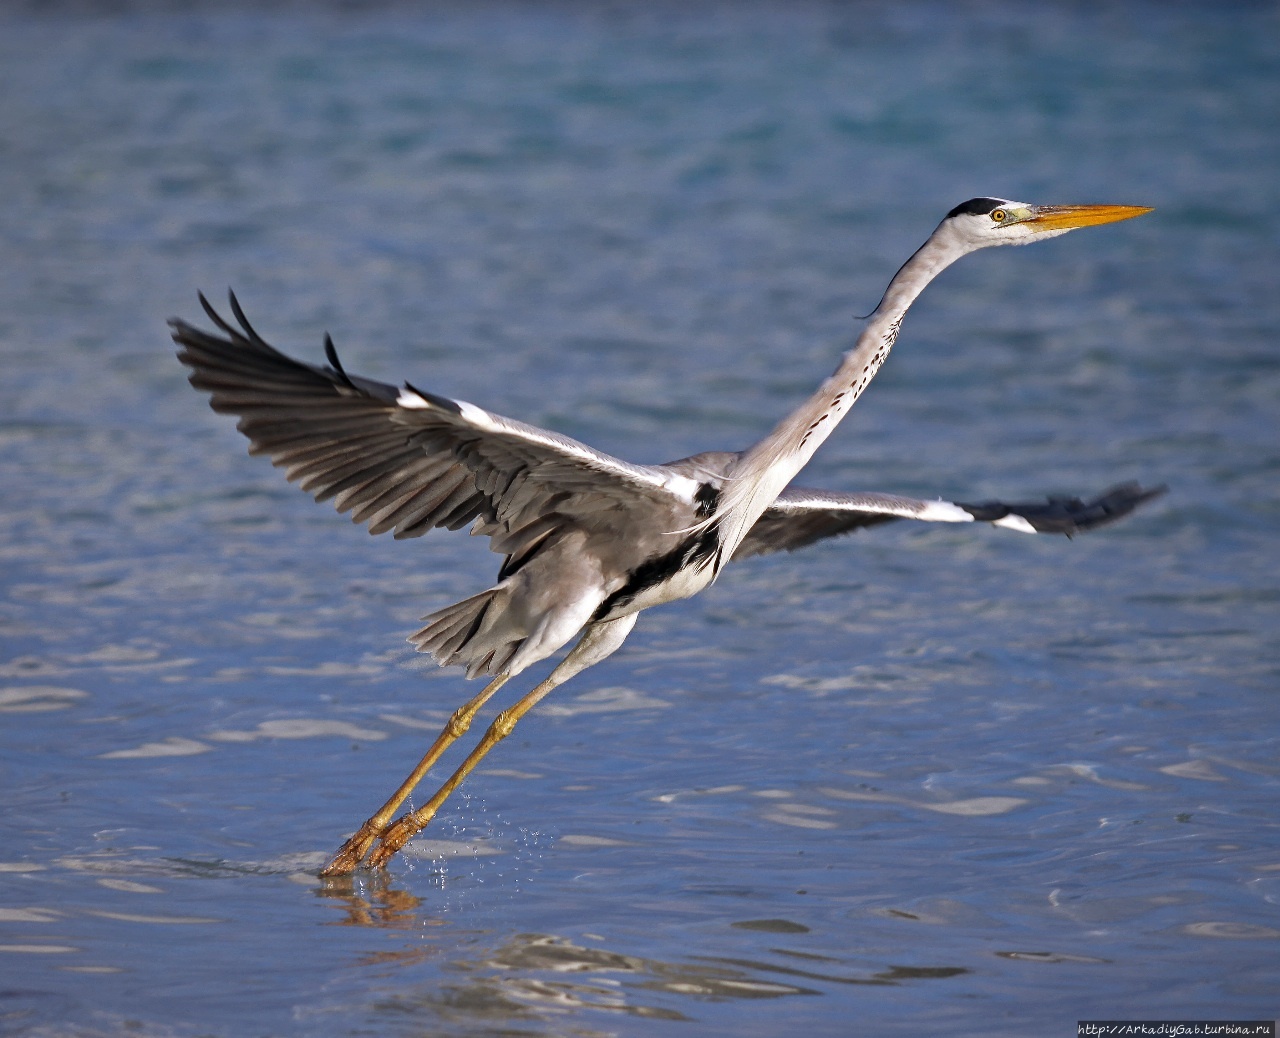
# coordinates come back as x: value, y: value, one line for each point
x: 1065, y: 217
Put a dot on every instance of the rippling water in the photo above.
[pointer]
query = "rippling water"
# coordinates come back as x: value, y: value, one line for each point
x: 921, y: 781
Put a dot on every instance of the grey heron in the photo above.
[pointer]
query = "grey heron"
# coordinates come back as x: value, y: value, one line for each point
x: 588, y: 540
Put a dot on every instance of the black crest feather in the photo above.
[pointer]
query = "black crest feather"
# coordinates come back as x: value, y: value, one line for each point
x: 976, y: 207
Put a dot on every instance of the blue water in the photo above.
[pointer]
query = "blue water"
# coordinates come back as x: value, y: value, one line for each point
x: 943, y: 781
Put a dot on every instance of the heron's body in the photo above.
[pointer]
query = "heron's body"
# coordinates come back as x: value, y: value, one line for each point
x: 588, y: 541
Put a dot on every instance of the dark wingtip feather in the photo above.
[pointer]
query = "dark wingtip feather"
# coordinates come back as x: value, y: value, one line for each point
x: 216, y: 317
x: 1120, y: 500
x: 1069, y: 515
x: 254, y: 337
x: 331, y: 355
x: 442, y: 402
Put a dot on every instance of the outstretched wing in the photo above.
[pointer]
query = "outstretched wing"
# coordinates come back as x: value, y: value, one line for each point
x: 800, y: 516
x: 407, y: 460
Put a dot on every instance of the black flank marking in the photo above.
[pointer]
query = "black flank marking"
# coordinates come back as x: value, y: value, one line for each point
x: 692, y: 552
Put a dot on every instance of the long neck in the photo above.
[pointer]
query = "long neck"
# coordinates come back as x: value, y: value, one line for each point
x: 763, y: 471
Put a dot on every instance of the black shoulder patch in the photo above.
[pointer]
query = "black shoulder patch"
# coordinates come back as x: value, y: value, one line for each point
x: 706, y: 499
x: 976, y: 207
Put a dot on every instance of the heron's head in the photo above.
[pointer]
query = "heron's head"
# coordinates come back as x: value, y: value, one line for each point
x: 981, y: 222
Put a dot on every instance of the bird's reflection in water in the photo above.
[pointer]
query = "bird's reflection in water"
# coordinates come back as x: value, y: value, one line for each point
x: 373, y: 901
x: 528, y: 976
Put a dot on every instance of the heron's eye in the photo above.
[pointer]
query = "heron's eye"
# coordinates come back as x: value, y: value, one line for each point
x: 998, y: 215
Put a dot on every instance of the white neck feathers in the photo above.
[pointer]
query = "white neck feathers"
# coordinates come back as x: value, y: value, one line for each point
x: 762, y: 472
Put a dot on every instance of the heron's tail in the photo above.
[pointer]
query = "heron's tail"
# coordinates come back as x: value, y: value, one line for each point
x: 470, y: 632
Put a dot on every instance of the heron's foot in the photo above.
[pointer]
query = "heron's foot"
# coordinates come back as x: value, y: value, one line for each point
x: 396, y: 835
x: 352, y: 853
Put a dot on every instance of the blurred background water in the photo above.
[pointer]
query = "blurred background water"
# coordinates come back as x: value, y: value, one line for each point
x: 921, y: 781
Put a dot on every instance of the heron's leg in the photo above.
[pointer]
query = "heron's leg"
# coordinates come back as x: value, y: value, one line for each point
x: 352, y: 852
x: 598, y: 641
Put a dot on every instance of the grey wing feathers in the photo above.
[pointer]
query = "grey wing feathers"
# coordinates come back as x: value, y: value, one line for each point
x: 801, y: 516
x: 404, y: 459
x: 332, y: 434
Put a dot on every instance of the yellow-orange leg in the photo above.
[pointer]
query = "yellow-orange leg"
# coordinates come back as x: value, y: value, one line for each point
x: 349, y: 856
x: 404, y: 828
x: 597, y: 642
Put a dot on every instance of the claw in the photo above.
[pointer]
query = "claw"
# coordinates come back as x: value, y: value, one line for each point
x: 396, y: 835
x: 351, y: 853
